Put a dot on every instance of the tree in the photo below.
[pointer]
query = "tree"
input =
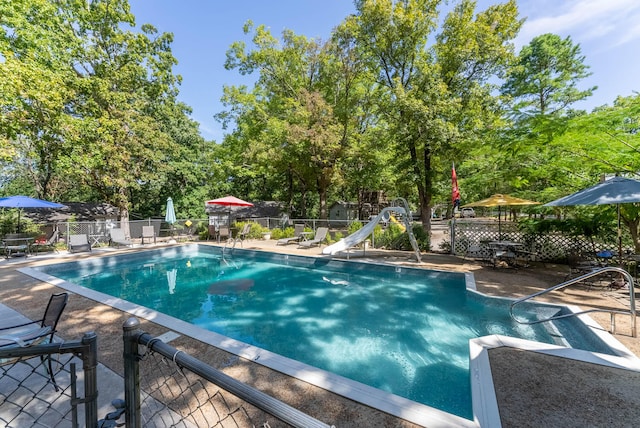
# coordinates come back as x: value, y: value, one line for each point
x: 435, y: 97
x: 300, y: 117
x: 35, y: 92
x: 544, y: 80
x: 91, y: 108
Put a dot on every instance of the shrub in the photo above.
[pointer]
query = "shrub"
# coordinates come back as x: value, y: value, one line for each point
x: 394, y: 238
x: 282, y: 233
x: 354, y: 227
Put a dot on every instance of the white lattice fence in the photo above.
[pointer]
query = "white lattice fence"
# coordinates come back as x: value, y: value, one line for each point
x: 553, y: 246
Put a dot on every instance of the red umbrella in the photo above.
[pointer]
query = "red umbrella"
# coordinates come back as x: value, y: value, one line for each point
x: 229, y: 201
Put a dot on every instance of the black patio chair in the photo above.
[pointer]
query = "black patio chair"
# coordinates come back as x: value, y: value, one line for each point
x: 20, y: 335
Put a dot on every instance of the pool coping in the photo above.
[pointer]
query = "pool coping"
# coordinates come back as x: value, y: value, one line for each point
x: 484, y: 405
x: 483, y: 394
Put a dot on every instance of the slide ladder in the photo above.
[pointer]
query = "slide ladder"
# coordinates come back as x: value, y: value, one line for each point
x: 360, y: 235
x: 408, y: 218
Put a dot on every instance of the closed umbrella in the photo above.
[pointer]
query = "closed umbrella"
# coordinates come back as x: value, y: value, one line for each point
x: 500, y: 200
x: 172, y: 276
x: 21, y: 202
x: 170, y: 215
x: 617, y: 190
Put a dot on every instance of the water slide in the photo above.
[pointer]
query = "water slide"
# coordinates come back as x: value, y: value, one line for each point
x: 361, y: 234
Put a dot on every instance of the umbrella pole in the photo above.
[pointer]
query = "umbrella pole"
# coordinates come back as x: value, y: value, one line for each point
x: 619, y: 238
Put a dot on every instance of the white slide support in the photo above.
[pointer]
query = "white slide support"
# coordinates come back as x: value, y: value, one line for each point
x: 361, y: 234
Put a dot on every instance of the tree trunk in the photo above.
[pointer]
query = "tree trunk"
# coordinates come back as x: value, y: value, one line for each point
x: 323, y: 184
x: 424, y: 187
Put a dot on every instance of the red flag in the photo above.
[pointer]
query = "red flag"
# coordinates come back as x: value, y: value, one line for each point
x: 455, y: 192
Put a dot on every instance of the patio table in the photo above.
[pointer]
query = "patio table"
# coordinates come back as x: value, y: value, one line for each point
x: 17, y: 245
x: 504, y: 251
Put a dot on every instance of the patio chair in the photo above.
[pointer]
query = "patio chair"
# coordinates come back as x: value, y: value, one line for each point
x: 477, y: 253
x: 46, y: 243
x: 117, y: 238
x: 223, y: 231
x: 321, y: 236
x: 297, y: 235
x: 22, y: 335
x: 243, y: 234
x: 148, y: 232
x: 79, y: 243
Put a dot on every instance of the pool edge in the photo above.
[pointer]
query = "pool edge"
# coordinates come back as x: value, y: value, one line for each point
x: 378, y: 399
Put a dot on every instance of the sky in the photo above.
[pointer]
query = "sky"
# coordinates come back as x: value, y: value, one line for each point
x: 608, y: 32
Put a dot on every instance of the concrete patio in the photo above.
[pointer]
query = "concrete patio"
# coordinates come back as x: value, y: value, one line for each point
x: 532, y: 388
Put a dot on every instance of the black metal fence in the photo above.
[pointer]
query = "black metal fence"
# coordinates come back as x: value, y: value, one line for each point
x: 28, y: 396
x: 167, y: 387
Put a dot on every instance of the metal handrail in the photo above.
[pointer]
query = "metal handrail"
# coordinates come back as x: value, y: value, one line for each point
x: 409, y: 227
x: 595, y: 272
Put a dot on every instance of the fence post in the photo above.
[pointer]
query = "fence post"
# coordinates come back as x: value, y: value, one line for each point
x: 131, y: 373
x: 89, y: 364
x: 452, y: 234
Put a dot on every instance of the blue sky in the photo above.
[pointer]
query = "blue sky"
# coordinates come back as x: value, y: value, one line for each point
x: 608, y: 32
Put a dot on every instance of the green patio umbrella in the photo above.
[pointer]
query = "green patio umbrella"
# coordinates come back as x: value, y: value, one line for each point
x: 170, y: 215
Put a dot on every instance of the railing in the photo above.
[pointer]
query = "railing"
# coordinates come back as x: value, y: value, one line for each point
x: 27, y: 399
x: 176, y: 389
x: 595, y: 272
x: 408, y: 225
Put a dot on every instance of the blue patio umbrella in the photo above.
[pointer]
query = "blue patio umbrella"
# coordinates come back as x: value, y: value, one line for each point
x: 616, y: 190
x: 170, y: 215
x: 22, y: 202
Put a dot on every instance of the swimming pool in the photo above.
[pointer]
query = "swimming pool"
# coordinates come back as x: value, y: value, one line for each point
x: 398, y: 329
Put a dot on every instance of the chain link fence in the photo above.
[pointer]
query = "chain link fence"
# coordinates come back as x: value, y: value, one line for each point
x: 30, y: 398
x: 167, y: 387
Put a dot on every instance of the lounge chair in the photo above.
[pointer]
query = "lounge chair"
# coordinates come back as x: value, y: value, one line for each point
x: 47, y: 243
x: 148, y: 232
x: 117, y: 238
x: 29, y: 334
x: 321, y: 236
x: 79, y: 243
x: 297, y: 235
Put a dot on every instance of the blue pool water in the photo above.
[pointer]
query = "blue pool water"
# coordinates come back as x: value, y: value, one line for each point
x: 405, y: 331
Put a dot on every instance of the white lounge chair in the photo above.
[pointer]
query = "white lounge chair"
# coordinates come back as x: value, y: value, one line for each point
x: 79, y: 243
x: 297, y: 235
x: 117, y: 238
x: 321, y: 236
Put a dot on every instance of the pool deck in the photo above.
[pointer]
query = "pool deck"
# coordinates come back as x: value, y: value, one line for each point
x: 533, y: 387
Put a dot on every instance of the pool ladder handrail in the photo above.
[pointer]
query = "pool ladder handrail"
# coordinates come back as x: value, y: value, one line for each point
x: 229, y: 241
x: 595, y: 272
